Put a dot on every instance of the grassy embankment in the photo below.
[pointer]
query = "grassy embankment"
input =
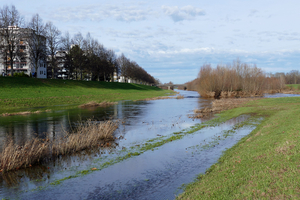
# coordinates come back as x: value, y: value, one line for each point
x: 22, y: 93
x: 263, y: 165
x: 294, y: 87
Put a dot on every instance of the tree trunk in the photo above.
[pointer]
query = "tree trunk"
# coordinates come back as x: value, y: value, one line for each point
x: 11, y: 64
x: 6, y: 63
x: 52, y: 72
x: 36, y: 68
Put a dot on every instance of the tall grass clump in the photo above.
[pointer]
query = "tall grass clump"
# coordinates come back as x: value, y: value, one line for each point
x: 179, y: 97
x: 87, y: 135
x: 237, y: 80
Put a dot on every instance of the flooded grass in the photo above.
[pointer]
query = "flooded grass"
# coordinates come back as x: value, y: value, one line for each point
x: 156, y: 146
x: 87, y: 135
x: 151, y: 145
x: 249, y: 121
x: 262, y: 165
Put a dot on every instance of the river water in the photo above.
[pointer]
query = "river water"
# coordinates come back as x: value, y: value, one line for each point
x: 156, y: 174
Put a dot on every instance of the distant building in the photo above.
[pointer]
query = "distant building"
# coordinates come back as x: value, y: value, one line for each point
x: 59, y: 70
x: 22, y: 61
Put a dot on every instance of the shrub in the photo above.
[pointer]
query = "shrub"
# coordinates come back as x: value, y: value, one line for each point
x: 239, y: 78
x: 20, y: 74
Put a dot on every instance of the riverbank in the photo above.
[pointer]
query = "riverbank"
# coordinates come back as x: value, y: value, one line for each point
x: 20, y: 94
x: 264, y: 164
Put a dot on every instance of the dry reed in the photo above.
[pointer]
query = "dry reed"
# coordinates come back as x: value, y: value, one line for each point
x: 180, y: 97
x: 94, y: 104
x: 157, y: 98
x: 23, y: 113
x: 86, y: 135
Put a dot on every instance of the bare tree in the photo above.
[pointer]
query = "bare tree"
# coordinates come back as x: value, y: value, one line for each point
x: 53, y: 42
x: 66, y: 42
x: 65, y: 45
x: 10, y: 34
x: 37, y: 42
x: 91, y: 48
x: 78, y: 40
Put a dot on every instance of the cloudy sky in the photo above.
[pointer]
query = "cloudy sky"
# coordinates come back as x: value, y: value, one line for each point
x: 172, y: 39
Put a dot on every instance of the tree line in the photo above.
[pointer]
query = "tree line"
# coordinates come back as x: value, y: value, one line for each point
x: 84, y: 56
x: 292, y: 77
x: 238, y: 79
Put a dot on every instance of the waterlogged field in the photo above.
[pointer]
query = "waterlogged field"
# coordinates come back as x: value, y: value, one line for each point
x: 159, y: 150
x: 156, y: 168
x: 23, y: 94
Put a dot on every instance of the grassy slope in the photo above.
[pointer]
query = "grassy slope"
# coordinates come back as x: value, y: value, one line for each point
x: 28, y: 92
x: 263, y: 165
x: 294, y: 86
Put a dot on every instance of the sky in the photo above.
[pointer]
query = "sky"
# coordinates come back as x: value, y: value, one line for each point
x: 172, y: 39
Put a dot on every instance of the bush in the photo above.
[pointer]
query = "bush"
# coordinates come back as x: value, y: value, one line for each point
x: 239, y: 78
x: 20, y: 74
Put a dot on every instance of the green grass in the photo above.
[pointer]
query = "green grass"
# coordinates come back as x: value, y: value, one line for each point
x: 263, y: 165
x: 21, y: 93
x: 293, y: 86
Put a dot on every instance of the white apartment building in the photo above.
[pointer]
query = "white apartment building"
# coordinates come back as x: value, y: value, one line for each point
x: 21, y: 59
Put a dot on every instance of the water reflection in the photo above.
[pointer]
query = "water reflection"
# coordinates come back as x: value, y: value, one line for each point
x: 55, y: 123
x: 153, y: 117
x: 277, y: 95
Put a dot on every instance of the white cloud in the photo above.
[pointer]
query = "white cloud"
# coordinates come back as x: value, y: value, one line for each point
x: 129, y: 14
x: 100, y: 12
x: 183, y: 13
